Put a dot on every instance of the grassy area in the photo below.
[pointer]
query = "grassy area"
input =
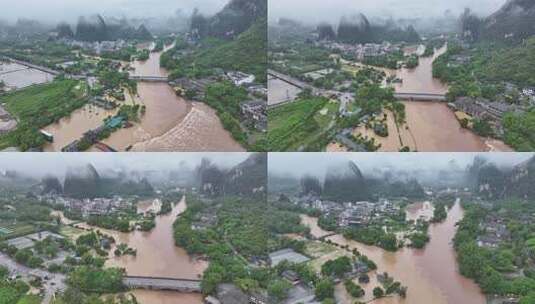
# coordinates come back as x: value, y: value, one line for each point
x: 30, y: 299
x: 38, y: 106
x: 317, y: 249
x: 15, y: 229
x: 325, y: 116
x: 71, y: 232
x: 350, y: 69
x: 294, y: 125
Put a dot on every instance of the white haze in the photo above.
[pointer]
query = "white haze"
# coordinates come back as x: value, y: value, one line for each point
x: 39, y: 164
x: 316, y: 11
x: 52, y: 11
x: 299, y: 164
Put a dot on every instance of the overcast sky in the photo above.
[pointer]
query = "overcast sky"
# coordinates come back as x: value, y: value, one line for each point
x: 37, y: 164
x: 69, y: 10
x: 299, y: 164
x: 315, y: 11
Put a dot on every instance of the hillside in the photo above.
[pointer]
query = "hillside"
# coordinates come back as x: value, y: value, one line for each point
x: 514, y: 20
x: 246, y: 53
x: 96, y: 28
x: 344, y: 183
x: 511, y: 64
x: 86, y: 182
x: 498, y: 183
x: 521, y: 180
x: 237, y: 17
x: 248, y: 178
x: 358, y: 29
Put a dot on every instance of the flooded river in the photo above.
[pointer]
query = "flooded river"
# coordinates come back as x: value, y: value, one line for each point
x: 431, y: 274
x: 420, y: 79
x: 170, y: 123
x: 430, y: 126
x: 158, y: 256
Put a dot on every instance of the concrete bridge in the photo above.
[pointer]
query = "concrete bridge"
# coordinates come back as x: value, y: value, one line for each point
x: 34, y: 66
x: 149, y: 78
x: 155, y: 283
x: 81, y: 77
x: 14, y: 71
x: 420, y: 97
x: 291, y: 80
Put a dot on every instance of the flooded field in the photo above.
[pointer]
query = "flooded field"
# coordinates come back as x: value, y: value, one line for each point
x: 17, y: 76
x: 72, y: 127
x: 164, y: 110
x: 431, y: 274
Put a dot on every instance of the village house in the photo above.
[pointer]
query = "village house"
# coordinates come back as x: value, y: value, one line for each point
x: 287, y: 254
x: 291, y: 276
x: 240, y: 78
x: 256, y: 112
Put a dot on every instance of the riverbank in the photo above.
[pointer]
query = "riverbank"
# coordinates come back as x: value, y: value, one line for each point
x: 157, y: 256
x: 169, y: 123
x: 430, y: 126
x: 431, y: 274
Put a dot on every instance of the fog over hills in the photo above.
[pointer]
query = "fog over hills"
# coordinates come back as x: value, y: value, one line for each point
x: 331, y: 11
x: 69, y: 10
x: 111, y: 164
x: 422, y: 166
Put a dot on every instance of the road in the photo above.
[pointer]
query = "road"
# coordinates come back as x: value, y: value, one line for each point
x: 54, y: 284
x: 345, y: 97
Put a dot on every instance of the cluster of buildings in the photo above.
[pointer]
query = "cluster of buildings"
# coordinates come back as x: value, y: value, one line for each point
x: 191, y: 88
x: 481, y: 108
x: 361, y: 51
x: 355, y: 214
x: 300, y: 292
x: 253, y: 111
x: 494, y: 231
x: 98, y: 47
x: 88, y: 207
x: 207, y: 218
x: 528, y: 94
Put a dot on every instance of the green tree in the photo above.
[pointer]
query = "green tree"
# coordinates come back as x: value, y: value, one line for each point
x: 378, y: 292
x: 278, y: 289
x: 324, y: 289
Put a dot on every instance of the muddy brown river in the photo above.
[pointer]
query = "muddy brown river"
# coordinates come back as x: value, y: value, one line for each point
x: 157, y: 256
x: 170, y: 123
x: 430, y: 126
x: 431, y: 274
